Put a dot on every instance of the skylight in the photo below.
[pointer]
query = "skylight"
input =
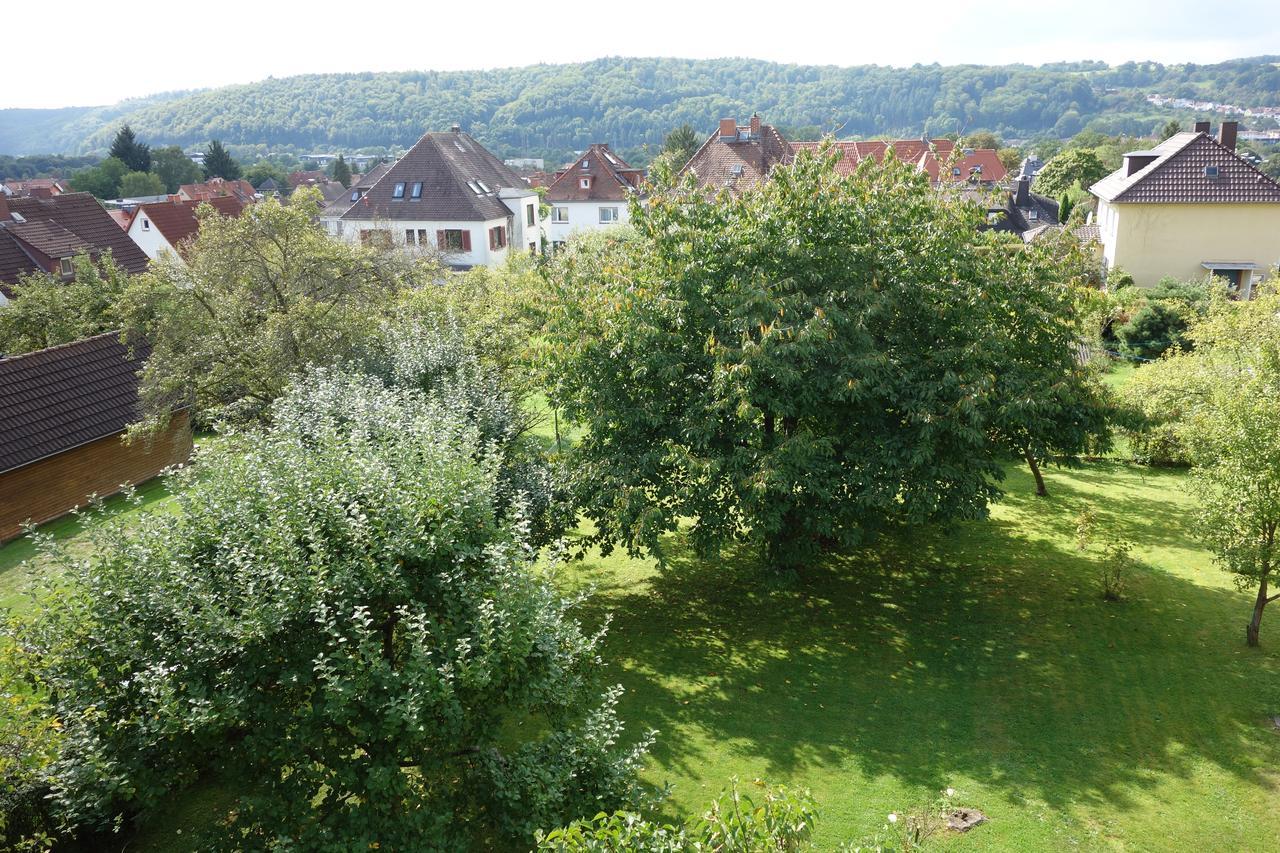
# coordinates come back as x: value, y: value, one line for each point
x: 416, y: 192
x: 398, y: 191
x: 484, y: 186
x: 475, y: 189
x: 609, y: 157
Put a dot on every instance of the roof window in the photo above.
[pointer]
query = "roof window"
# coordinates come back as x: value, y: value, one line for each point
x: 474, y: 188
x: 586, y: 164
x: 416, y: 191
x: 736, y: 169
x: 1211, y: 172
x: 355, y: 195
x: 398, y: 191
x: 484, y: 186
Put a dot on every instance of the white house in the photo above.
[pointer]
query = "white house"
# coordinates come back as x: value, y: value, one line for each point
x: 165, y: 227
x: 447, y: 193
x: 591, y: 194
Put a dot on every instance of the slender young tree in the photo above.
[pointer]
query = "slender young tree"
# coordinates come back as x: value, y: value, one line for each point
x: 341, y: 171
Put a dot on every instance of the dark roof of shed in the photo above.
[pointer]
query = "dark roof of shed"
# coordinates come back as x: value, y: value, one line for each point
x: 446, y: 164
x: 1176, y: 176
x: 55, y: 399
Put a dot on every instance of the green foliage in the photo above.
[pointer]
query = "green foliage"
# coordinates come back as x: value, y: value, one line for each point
x: 260, y: 297
x: 341, y: 618
x: 218, y: 163
x: 29, y: 738
x: 45, y: 311
x: 681, y: 144
x: 634, y: 102
x: 102, y: 180
x: 780, y: 367
x: 1156, y: 319
x: 781, y: 821
x: 263, y: 169
x: 174, y: 168
x: 136, y: 184
x: 1168, y: 129
x: 1115, y: 567
x: 128, y: 150
x: 1064, y: 208
x: 1074, y: 166
x: 341, y: 172
x: 1153, y: 329
x: 41, y: 166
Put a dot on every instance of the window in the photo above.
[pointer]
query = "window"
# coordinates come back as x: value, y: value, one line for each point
x: 484, y: 186
x: 608, y: 214
x: 736, y: 169
x: 146, y: 224
x: 398, y: 191
x: 474, y: 187
x: 338, y: 229
x: 557, y: 245
x: 355, y: 195
x: 65, y: 266
x: 560, y: 214
x: 533, y: 248
x: 453, y: 240
x: 422, y: 236
x: 416, y: 192
x: 378, y: 238
x: 408, y: 236
x: 1211, y: 172
x: 585, y: 183
x: 498, y: 237
x: 1033, y: 215
x: 529, y: 215
x: 955, y: 171
x: 586, y: 164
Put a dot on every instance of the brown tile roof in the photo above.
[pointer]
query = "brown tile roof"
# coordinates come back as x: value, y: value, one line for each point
x: 742, y: 162
x: 217, y: 187
x: 541, y: 179
x: 938, y: 158
x: 610, y: 177
x: 311, y: 176
x: 176, y: 220
x: 55, y: 399
x: 1176, y: 175
x: 341, y: 202
x: 48, y: 238
x: 460, y: 181
x: 121, y: 217
x: 41, y: 187
x: 76, y: 213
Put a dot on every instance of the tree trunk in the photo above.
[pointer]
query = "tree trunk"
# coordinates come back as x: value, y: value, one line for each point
x: 1041, y: 491
x: 1255, y: 624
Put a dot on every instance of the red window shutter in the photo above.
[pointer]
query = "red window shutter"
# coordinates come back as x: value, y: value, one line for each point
x: 440, y: 244
x: 466, y: 240
x: 493, y: 239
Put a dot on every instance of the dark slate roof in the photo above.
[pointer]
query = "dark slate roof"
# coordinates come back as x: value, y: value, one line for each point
x: 341, y: 202
x: 48, y: 237
x: 1176, y: 176
x: 612, y: 179
x: 448, y: 165
x: 55, y: 399
x: 77, y: 213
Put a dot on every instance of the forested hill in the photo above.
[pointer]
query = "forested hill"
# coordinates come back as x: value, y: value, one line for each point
x: 550, y: 110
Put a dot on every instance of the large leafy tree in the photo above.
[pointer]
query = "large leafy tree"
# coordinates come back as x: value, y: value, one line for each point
x: 799, y: 365
x: 140, y: 184
x: 45, y: 311
x: 342, y: 617
x: 174, y: 168
x: 260, y: 297
x: 1073, y: 167
x: 218, y: 162
x: 127, y: 149
x: 102, y: 180
x: 1223, y: 398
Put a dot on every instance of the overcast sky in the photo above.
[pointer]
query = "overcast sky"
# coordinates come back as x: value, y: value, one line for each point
x: 75, y: 52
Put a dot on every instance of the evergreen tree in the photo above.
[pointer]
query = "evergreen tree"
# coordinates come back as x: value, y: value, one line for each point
x: 127, y: 149
x: 341, y: 171
x: 218, y: 163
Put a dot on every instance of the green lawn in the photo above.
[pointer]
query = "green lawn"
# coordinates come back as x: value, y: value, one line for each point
x: 981, y: 658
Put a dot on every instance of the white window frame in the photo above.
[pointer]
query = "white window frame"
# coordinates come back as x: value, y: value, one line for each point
x: 608, y: 215
x: 560, y: 215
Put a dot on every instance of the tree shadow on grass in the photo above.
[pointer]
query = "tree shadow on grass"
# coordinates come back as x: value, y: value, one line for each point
x: 985, y: 652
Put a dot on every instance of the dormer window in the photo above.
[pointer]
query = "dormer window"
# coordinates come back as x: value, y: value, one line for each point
x: 398, y: 190
x: 736, y: 169
x: 64, y: 266
x: 415, y: 192
x: 1033, y: 215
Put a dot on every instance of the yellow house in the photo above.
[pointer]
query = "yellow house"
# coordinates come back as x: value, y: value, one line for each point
x: 1188, y: 208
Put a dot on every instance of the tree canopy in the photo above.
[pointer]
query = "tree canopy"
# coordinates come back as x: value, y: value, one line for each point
x: 218, y: 163
x: 1074, y: 167
x: 127, y: 149
x: 800, y: 365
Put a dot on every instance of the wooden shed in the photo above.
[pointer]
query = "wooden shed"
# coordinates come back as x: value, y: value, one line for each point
x: 63, y: 411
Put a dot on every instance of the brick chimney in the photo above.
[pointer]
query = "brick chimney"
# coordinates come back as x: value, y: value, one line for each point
x: 1023, y: 193
x: 728, y: 129
x: 1202, y: 127
x: 755, y: 125
x: 1227, y: 134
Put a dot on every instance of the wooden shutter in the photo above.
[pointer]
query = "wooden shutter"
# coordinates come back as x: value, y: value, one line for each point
x: 440, y: 242
x: 493, y: 239
x: 466, y: 240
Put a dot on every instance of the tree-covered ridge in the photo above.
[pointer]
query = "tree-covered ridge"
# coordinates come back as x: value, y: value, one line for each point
x: 631, y: 103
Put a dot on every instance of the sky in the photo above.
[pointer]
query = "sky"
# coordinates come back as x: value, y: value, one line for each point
x: 102, y: 48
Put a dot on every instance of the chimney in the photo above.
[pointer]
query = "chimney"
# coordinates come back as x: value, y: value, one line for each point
x: 1023, y: 194
x: 1202, y: 127
x: 1135, y: 161
x: 728, y: 130
x: 456, y: 128
x: 1227, y: 134
x: 755, y: 125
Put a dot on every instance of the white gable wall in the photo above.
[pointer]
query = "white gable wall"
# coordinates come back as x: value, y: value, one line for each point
x: 148, y: 237
x: 583, y: 216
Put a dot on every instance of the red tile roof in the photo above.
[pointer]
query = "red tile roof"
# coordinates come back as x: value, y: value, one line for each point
x: 217, y: 188
x: 177, y: 221
x: 938, y: 158
x: 609, y: 178
x: 313, y: 176
x: 741, y: 159
x: 78, y: 214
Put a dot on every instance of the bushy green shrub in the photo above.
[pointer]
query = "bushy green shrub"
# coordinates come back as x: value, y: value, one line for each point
x: 778, y: 819
x: 1153, y: 329
x: 339, y: 620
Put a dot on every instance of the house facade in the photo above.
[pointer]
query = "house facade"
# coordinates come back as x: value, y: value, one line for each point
x: 447, y: 194
x: 165, y: 227
x: 62, y: 413
x: 1188, y: 208
x: 591, y: 194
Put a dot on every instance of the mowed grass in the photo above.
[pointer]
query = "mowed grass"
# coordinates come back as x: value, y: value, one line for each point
x: 981, y: 658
